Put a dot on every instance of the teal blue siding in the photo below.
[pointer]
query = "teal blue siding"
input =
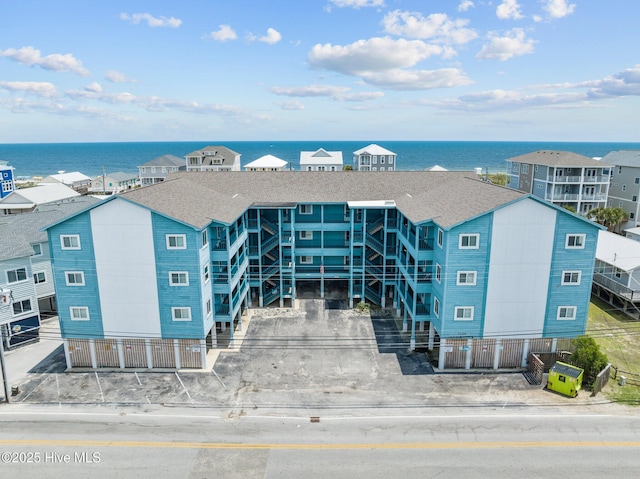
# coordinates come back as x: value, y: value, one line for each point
x: 564, y: 259
x: 76, y: 260
x: 465, y: 260
x: 178, y: 296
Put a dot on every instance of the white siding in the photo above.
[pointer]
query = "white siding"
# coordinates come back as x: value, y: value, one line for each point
x: 125, y: 266
x: 521, y: 252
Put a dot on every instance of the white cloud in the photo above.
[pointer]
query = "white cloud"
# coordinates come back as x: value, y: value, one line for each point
x: 512, y: 44
x: 361, y: 97
x: 465, y: 5
x: 375, y: 54
x: 438, y: 27
x: 509, y: 10
x: 398, y: 79
x: 152, y: 21
x: 290, y: 105
x: 41, y: 89
x: 117, y: 77
x: 223, y: 34
x: 273, y: 36
x: 357, y: 3
x: 338, y: 93
x: 558, y: 8
x: 55, y: 62
x: 93, y: 87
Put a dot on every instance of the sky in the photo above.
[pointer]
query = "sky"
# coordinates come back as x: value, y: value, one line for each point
x: 272, y: 70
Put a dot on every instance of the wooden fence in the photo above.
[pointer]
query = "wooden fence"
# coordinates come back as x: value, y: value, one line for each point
x: 601, y: 379
x: 136, y: 353
x: 630, y: 378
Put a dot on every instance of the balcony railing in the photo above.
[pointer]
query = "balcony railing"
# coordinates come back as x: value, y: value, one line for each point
x: 617, y: 288
x: 578, y: 179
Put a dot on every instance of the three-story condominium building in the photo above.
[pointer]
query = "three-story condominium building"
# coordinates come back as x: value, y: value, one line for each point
x: 625, y: 184
x: 374, y: 158
x: 156, y: 170
x: 475, y: 268
x: 562, y: 178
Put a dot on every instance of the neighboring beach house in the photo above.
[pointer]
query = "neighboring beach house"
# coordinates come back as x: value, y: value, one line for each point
x: 616, y: 279
x: 25, y: 268
x: 443, y: 249
x: 267, y: 163
x: 633, y: 233
x: 74, y: 179
x: 321, y: 160
x: 374, y: 158
x: 562, y: 178
x: 7, y: 181
x: 113, y: 183
x: 156, y: 170
x: 25, y: 200
x: 625, y: 184
x: 213, y: 158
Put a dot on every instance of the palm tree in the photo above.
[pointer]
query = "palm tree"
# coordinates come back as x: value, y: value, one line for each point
x: 609, y: 217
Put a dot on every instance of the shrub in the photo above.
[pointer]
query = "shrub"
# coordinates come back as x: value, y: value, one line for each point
x: 588, y: 356
x: 363, y: 307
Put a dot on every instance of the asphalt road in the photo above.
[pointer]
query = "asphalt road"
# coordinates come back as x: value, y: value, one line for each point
x: 196, y: 444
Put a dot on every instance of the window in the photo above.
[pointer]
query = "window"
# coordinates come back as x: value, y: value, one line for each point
x: 7, y: 186
x: 634, y: 198
x: 575, y: 241
x: 306, y: 259
x: 70, y: 241
x: 391, y: 160
x: 37, y: 249
x: 382, y: 160
x: 567, y: 313
x: 466, y: 278
x: 306, y: 209
x: 440, y: 237
x: 74, y: 278
x: 463, y: 313
x: 624, y: 187
x: 20, y: 307
x: 436, y: 307
x: 208, y: 307
x: 637, y: 180
x: 176, y: 242
x: 525, y: 169
x: 306, y: 235
x: 205, y: 272
x: 178, y: 278
x: 39, y: 277
x: 438, y: 272
x: 181, y: 314
x: 632, y: 216
x: 562, y: 379
x: 17, y: 275
x: 469, y: 241
x: 79, y: 313
x: 205, y: 238
x: 571, y: 277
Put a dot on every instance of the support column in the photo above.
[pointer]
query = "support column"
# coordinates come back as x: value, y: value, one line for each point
x: 525, y: 353
x: 554, y: 345
x: 412, y: 342
x: 176, y: 353
x: 120, y: 353
x: 147, y: 345
x: 467, y: 359
x: 443, y: 345
x: 92, y: 352
x: 203, y: 353
x: 432, y: 336
x: 67, y: 356
x: 405, y: 327
x: 496, y: 354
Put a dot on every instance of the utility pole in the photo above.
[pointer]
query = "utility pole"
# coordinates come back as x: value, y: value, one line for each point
x: 4, y: 369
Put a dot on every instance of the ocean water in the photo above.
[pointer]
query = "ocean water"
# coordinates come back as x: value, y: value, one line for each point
x: 42, y: 159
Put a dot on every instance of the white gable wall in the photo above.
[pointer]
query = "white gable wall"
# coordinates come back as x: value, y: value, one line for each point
x: 521, y: 252
x: 125, y: 266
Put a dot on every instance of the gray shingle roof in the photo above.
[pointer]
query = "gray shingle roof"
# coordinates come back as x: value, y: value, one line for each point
x: 120, y: 176
x: 448, y: 197
x: 166, y: 160
x: 557, y: 158
x: 19, y: 232
x: 623, y: 158
x: 227, y: 155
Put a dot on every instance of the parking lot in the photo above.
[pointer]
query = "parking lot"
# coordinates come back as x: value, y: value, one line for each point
x: 312, y: 357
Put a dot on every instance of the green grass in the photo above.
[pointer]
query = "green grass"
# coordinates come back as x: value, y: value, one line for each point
x: 618, y: 336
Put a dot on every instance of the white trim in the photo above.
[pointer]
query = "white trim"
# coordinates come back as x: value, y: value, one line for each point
x: 79, y: 308
x: 575, y: 236
x: 306, y: 235
x: 306, y: 259
x: 436, y: 307
x: 571, y: 273
x: 39, y: 245
x: 438, y: 273
x: 44, y: 276
x: 176, y: 236
x: 70, y: 283
x: 467, y: 283
x: 573, y: 309
x: 179, y: 283
x: 206, y: 273
x: 463, y: 310
x: 182, y: 309
x: 26, y: 277
x: 70, y: 237
x: 308, y: 209
x: 462, y: 236
x: 23, y: 311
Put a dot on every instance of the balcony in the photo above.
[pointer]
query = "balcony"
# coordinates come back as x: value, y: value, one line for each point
x: 578, y: 179
x: 620, y: 289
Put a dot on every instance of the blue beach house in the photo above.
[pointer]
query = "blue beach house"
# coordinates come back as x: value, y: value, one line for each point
x: 479, y: 273
x: 7, y: 182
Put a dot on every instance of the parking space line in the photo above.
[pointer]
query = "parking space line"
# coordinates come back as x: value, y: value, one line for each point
x: 185, y: 389
x: 137, y: 377
x: 216, y: 374
x: 39, y: 384
x: 58, y: 388
x: 99, y: 386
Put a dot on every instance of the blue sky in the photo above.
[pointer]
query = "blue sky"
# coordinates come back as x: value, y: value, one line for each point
x: 155, y: 70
